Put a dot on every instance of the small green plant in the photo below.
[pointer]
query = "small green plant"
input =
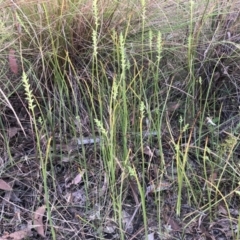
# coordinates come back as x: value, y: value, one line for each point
x: 43, y: 159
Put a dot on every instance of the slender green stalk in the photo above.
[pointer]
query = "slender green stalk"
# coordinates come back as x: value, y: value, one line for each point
x: 43, y: 160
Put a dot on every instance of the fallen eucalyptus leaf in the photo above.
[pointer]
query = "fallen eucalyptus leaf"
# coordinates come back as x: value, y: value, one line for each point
x: 5, y: 186
x: 12, y: 61
x: 38, y: 223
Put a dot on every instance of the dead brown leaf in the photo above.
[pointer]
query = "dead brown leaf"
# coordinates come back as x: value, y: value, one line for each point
x: 161, y: 186
x: 150, y: 236
x: 213, y: 177
x: 12, y: 61
x: 5, y: 186
x: 211, y: 180
x: 173, y: 223
x: 12, y: 131
x: 19, y: 235
x: 78, y: 178
x: 147, y: 150
x: 222, y: 210
x: 173, y: 106
x: 37, y: 222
